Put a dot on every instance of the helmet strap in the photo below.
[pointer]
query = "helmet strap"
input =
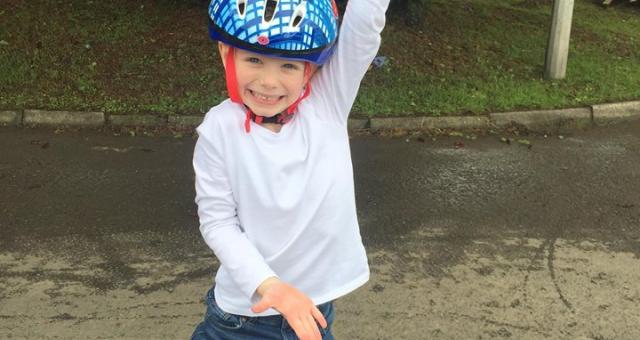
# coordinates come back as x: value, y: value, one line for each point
x: 231, y: 77
x: 232, y: 86
x: 307, y: 89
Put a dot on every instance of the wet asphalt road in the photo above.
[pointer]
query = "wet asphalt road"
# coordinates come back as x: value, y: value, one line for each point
x: 86, y: 213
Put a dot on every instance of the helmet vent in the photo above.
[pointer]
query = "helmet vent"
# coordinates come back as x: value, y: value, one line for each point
x: 270, y: 10
x: 296, y: 21
x: 298, y: 14
x: 242, y: 6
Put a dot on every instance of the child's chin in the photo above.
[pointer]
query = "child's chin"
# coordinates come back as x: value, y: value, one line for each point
x: 264, y: 113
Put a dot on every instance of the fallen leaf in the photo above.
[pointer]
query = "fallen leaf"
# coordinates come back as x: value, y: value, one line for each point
x: 109, y: 148
x: 505, y: 140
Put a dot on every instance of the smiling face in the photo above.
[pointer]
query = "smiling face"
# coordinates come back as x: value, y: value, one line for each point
x: 266, y: 85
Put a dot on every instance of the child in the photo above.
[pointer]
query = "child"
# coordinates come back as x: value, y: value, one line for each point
x: 274, y: 179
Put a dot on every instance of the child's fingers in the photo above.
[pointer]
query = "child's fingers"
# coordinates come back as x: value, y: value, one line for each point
x: 297, y: 327
x: 305, y: 328
x: 319, y: 317
x: 314, y: 327
x: 261, y: 306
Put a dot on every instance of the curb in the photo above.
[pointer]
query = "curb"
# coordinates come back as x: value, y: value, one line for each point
x: 63, y: 118
x: 188, y: 121
x: 430, y: 123
x: 555, y: 120
x: 12, y: 118
x: 538, y: 121
x: 357, y: 123
x: 606, y: 114
x: 137, y: 120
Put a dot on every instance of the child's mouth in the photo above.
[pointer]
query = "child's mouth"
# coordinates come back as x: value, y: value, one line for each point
x: 264, y: 99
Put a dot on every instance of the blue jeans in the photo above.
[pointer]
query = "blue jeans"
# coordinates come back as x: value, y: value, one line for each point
x: 220, y: 325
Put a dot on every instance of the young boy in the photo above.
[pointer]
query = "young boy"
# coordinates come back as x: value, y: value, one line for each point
x: 274, y: 179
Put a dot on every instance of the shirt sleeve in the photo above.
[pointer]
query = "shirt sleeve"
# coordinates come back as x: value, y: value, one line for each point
x: 219, y: 224
x: 338, y: 81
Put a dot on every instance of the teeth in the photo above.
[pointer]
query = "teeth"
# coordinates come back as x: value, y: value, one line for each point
x: 265, y: 98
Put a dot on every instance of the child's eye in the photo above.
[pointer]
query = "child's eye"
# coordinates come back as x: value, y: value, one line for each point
x: 253, y: 60
x: 290, y: 66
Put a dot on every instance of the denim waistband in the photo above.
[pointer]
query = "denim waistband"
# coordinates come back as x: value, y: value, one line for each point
x: 275, y: 320
x: 278, y: 319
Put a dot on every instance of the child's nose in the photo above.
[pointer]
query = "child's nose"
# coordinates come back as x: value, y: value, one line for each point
x: 267, y: 82
x: 269, y: 78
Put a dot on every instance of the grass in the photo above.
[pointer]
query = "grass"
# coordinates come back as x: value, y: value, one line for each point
x: 468, y: 57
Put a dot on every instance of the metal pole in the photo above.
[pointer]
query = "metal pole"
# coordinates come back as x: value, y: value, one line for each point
x: 558, y: 46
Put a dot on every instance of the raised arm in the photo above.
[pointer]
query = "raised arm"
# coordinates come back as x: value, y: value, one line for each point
x: 338, y: 81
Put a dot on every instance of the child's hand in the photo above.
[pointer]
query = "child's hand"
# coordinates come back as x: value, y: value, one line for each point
x: 294, y: 305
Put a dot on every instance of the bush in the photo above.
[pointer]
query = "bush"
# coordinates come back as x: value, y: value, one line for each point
x: 412, y: 12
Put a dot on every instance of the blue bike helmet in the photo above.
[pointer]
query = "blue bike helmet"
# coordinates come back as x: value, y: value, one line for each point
x: 302, y: 30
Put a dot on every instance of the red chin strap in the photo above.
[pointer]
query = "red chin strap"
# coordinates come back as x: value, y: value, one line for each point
x: 232, y: 80
x: 307, y: 89
x: 234, y: 94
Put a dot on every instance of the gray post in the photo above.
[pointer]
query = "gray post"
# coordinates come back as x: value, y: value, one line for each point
x: 558, y: 47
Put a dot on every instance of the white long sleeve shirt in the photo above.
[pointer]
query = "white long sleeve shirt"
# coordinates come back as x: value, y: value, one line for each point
x: 283, y: 204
